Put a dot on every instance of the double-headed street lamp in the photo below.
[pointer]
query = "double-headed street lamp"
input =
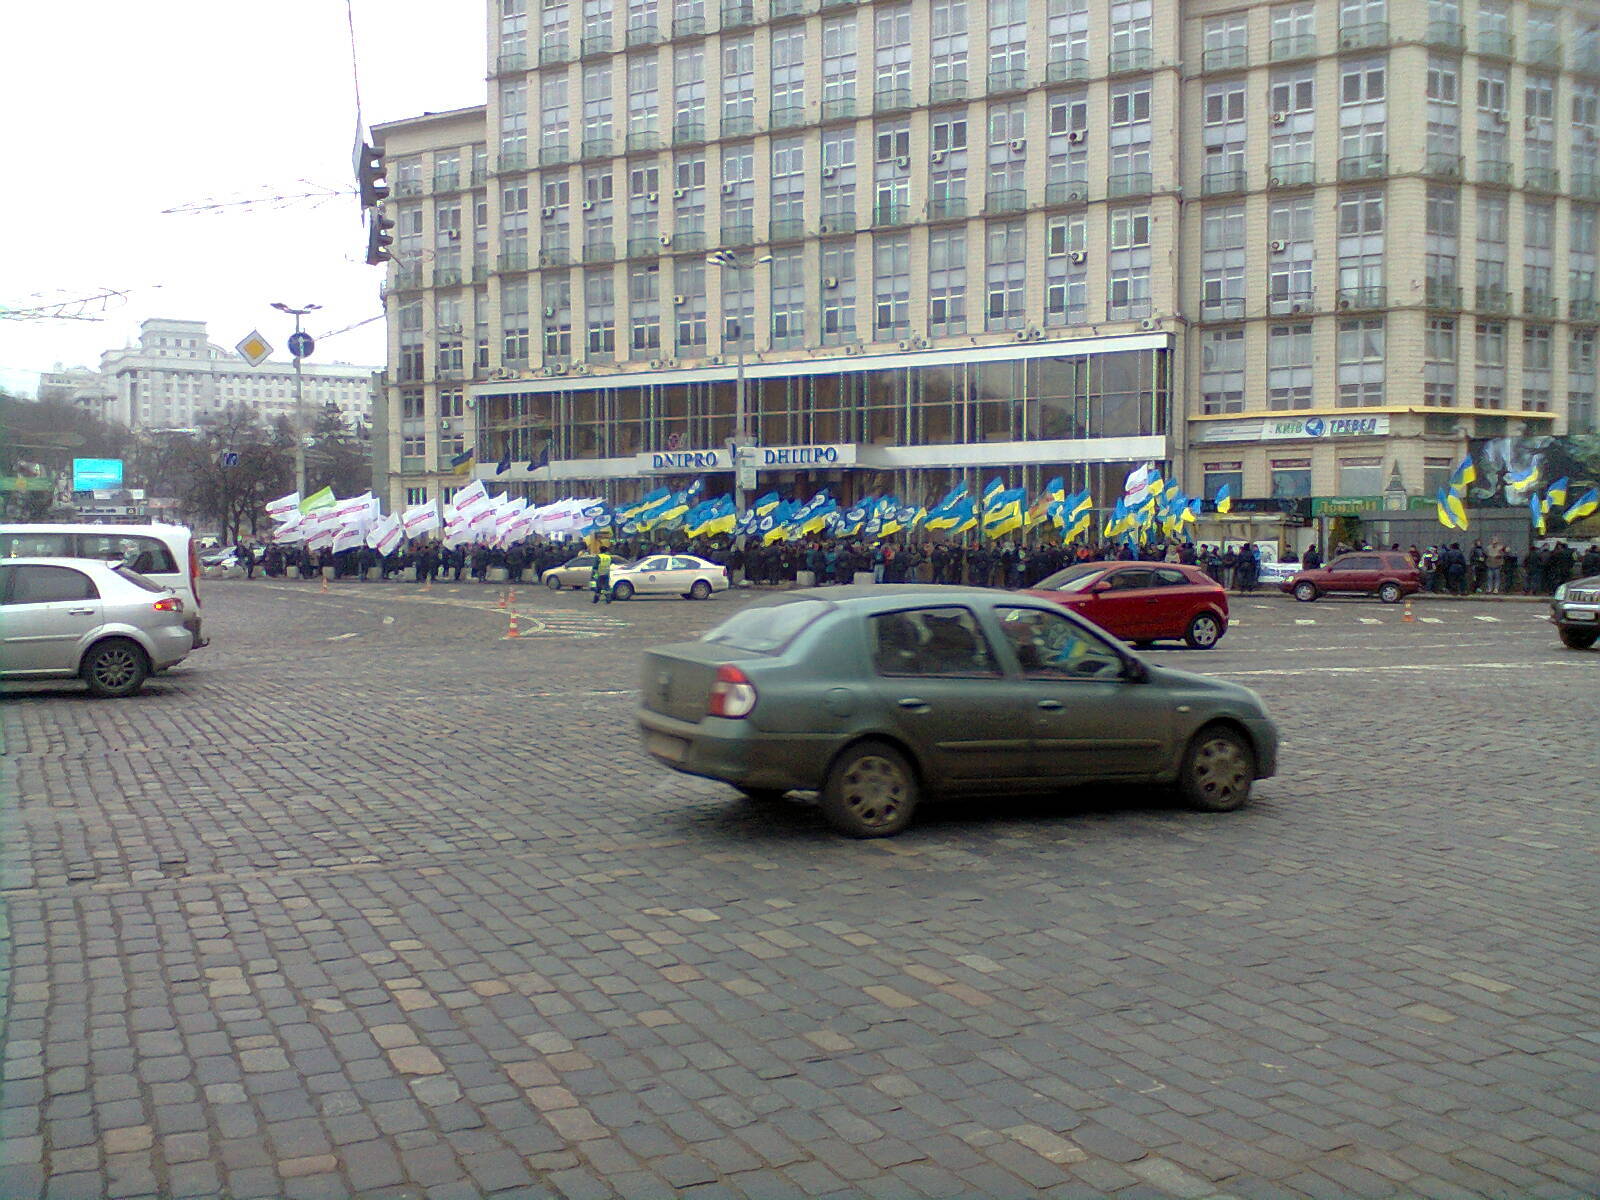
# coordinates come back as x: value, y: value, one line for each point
x: 299, y: 397
x: 729, y: 261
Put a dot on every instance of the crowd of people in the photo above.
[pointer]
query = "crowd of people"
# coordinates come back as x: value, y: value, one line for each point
x: 1494, y: 569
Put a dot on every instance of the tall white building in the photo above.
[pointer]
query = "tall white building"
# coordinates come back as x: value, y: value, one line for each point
x: 176, y: 379
x: 1301, y: 248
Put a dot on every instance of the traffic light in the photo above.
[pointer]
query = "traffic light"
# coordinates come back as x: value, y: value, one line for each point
x: 370, y: 177
x: 379, y: 238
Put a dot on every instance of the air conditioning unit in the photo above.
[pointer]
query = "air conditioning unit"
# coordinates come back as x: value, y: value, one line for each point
x: 652, y: 197
x: 1018, y: 145
x: 1075, y: 195
x: 680, y: 299
x: 1078, y: 256
x: 665, y: 239
x: 1501, y: 117
x: 658, y: 363
x: 580, y: 368
x: 937, y: 156
x: 1530, y: 123
x: 1077, y: 136
x: 679, y: 193
x: 1277, y: 247
x: 907, y: 344
x: 1149, y: 323
x: 1280, y: 118
x: 829, y: 172
x: 1274, y: 181
x: 556, y: 369
x: 588, y: 206
x: 921, y: 343
x: 831, y: 281
x: 502, y: 373
x: 715, y: 360
x: 1343, y: 306
x: 1035, y: 334
x: 1021, y: 335
x: 729, y: 189
x: 1300, y: 306
x: 903, y: 162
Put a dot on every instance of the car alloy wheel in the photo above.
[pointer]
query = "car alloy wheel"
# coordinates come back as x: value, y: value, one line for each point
x: 1204, y: 632
x: 1217, y: 770
x: 622, y: 591
x: 700, y: 589
x: 115, y: 668
x: 553, y: 582
x: 1305, y: 592
x: 871, y: 792
x: 1389, y: 593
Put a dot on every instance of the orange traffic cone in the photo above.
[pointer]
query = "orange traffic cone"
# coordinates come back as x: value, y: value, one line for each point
x: 504, y: 599
x: 511, y: 632
x: 1407, y: 616
x: 511, y: 597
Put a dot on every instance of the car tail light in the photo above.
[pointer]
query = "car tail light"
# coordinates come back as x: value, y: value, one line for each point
x: 732, y: 695
x: 169, y: 604
x: 194, y: 573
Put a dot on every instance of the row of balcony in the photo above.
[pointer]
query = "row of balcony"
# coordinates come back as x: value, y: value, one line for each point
x: 1502, y: 302
x: 1448, y: 35
x: 1444, y: 297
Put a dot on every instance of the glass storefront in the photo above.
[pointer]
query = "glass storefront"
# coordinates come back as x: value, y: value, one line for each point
x: 1015, y: 400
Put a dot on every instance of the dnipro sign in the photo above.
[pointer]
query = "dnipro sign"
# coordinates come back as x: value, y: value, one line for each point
x: 764, y: 458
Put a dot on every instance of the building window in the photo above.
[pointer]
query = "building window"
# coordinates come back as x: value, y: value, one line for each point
x: 788, y: 297
x: 554, y: 115
x: 839, y: 66
x: 738, y: 306
x: 1005, y: 272
x: 644, y: 209
x: 788, y: 75
x: 892, y: 55
x: 1439, y: 353
x: 738, y: 193
x: 1223, y: 135
x: 514, y: 123
x: 1491, y: 360
x: 1291, y: 147
x: 947, y: 281
x: 1360, y: 476
x: 1361, y: 248
x: 1131, y: 34
x: 1222, y: 263
x: 644, y: 94
x: 1582, y: 381
x: 600, y: 314
x: 1130, y: 139
x: 839, y: 179
x: 1361, y: 363
x: 1008, y: 44
x: 1067, y: 167
x: 1536, y: 367
x: 1008, y: 155
x: 1224, y: 40
x: 557, y: 318
x: 1444, y: 114
x: 838, y: 300
x: 1222, y: 371
x: 788, y: 185
x: 689, y: 92
x: 1219, y: 475
x: 1066, y: 270
x: 1363, y: 118
x: 410, y: 365
x: 1128, y: 265
x: 689, y: 303
x: 947, y: 176
x: 1494, y: 120
x: 1289, y: 367
x: 891, y: 173
x: 644, y: 309
x: 1291, y: 255
x: 416, y: 495
x: 949, y: 50
x: 891, y: 285
x: 739, y: 84
x: 689, y: 194
x: 597, y: 103
x: 1291, y: 478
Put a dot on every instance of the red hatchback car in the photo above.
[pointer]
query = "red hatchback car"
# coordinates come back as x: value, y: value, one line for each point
x: 1143, y: 602
x: 1386, y: 574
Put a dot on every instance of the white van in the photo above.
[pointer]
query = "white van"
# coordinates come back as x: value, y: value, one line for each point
x: 164, y: 553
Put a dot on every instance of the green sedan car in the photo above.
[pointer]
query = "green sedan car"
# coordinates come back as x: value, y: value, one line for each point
x: 874, y: 697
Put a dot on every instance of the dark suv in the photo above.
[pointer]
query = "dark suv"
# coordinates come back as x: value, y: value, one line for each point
x: 1576, y: 612
x: 1386, y: 574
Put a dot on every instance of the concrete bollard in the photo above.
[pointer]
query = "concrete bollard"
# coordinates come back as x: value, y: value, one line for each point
x: 862, y: 577
x: 805, y: 579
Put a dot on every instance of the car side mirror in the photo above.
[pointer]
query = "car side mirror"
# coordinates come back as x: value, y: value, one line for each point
x: 1134, y: 671
x: 1103, y: 585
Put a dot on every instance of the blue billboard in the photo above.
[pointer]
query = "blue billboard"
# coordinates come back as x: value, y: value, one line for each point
x: 96, y: 474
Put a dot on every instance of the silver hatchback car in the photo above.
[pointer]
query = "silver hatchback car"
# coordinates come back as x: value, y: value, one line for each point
x: 64, y: 617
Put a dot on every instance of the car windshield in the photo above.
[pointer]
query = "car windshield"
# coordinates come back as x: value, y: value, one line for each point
x: 139, y: 580
x: 767, y: 630
x: 1073, y: 579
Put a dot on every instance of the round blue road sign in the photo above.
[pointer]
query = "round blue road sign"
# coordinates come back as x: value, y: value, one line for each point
x: 301, y: 345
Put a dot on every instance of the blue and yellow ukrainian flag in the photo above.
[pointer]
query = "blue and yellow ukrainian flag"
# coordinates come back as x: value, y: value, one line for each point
x: 1587, y: 503
x: 1224, y: 499
x: 1521, y: 481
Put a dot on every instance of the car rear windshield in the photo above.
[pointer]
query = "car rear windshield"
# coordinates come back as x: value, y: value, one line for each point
x: 767, y: 630
x: 1073, y: 579
x: 138, y: 580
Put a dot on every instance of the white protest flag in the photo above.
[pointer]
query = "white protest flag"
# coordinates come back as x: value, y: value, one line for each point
x: 471, y: 497
x: 283, y: 506
x: 290, y: 532
x: 1136, y: 487
x: 386, y: 530
x: 458, y: 534
x: 509, y: 513
x: 519, y: 530
x: 348, y: 537
x: 420, y: 519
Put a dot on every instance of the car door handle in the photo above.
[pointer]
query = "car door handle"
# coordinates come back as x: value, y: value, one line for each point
x: 1051, y: 705
x: 913, y: 703
x: 80, y: 612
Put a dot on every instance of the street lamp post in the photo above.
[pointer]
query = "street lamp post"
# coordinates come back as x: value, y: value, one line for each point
x: 299, y: 399
x: 727, y: 260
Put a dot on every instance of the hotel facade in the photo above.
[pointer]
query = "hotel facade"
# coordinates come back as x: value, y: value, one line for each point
x: 1305, y: 249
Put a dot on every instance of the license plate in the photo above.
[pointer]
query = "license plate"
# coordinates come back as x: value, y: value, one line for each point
x: 664, y: 745
x: 1582, y: 616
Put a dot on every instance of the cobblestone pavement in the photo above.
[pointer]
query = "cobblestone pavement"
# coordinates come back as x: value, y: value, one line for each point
x: 364, y: 900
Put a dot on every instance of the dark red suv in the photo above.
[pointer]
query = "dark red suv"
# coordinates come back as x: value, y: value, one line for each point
x: 1386, y: 574
x: 1143, y: 602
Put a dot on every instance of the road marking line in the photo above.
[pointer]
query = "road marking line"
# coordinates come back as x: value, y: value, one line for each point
x: 339, y: 637
x: 1476, y: 617
x: 1486, y: 666
x: 1369, y: 620
x: 1431, y: 620
x: 1305, y: 620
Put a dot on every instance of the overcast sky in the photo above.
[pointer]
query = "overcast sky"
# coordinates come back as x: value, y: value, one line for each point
x: 118, y: 109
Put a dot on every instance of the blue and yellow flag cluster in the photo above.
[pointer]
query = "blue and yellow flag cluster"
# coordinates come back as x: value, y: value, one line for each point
x: 1450, y: 503
x: 1160, y: 505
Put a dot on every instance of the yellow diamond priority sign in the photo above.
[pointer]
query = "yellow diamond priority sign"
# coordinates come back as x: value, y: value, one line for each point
x: 255, y: 349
